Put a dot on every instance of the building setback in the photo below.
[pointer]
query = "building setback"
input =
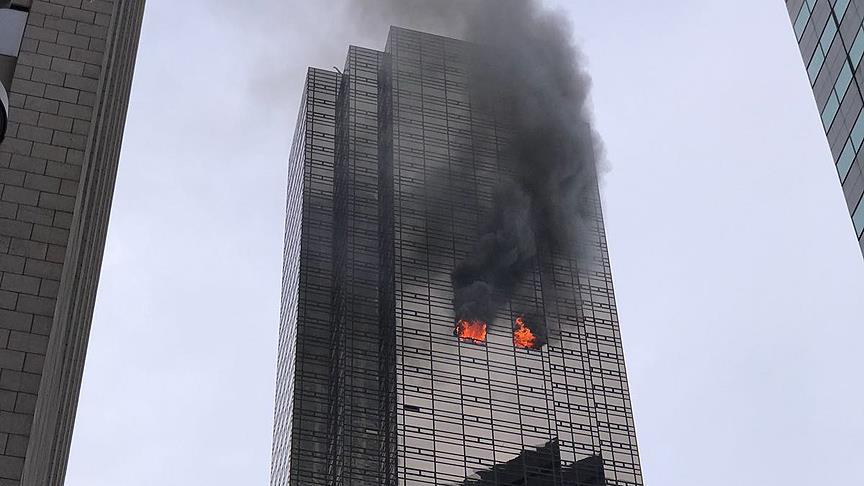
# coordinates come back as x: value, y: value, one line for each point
x: 830, y: 35
x: 373, y: 388
x: 66, y: 66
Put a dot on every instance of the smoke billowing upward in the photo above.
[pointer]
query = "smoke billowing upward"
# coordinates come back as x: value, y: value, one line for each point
x: 529, y: 72
x: 527, y: 75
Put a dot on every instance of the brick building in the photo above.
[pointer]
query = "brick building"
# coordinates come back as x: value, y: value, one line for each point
x: 66, y: 70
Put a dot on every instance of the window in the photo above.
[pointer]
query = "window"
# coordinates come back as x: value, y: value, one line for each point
x: 857, y: 48
x: 857, y: 135
x: 840, y: 9
x: 830, y: 110
x: 858, y: 219
x: 828, y: 35
x: 818, y: 59
x: 843, y: 80
x: 815, y: 64
x: 844, y: 162
x: 12, y: 24
x: 801, y: 20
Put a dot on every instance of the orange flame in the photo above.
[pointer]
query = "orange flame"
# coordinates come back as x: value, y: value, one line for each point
x: 471, y: 331
x: 522, y: 335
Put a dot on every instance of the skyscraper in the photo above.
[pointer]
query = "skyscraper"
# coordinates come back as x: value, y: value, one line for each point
x: 392, y: 172
x: 66, y: 66
x: 830, y: 35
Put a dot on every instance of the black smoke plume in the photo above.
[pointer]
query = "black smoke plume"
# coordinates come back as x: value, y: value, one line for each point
x: 527, y: 75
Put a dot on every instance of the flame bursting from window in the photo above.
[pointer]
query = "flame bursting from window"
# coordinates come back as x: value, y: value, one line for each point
x: 523, y: 337
x: 471, y: 331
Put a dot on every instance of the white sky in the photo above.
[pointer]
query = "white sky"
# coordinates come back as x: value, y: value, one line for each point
x: 738, y: 277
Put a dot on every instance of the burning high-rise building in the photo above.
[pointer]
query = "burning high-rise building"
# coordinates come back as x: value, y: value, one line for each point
x: 436, y: 326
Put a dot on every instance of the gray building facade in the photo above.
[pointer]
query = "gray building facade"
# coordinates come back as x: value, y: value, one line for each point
x: 830, y: 34
x: 391, y: 174
x: 66, y: 71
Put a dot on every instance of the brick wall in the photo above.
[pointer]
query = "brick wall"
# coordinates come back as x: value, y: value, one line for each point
x: 57, y: 166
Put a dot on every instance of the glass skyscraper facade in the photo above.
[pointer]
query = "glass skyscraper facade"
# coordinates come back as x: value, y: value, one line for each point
x: 391, y: 174
x: 830, y: 34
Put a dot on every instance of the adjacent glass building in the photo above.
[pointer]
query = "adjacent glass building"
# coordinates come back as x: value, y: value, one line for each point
x: 65, y: 77
x: 390, y: 176
x: 830, y: 34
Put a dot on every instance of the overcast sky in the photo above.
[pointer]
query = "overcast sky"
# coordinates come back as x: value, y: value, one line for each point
x: 738, y: 277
